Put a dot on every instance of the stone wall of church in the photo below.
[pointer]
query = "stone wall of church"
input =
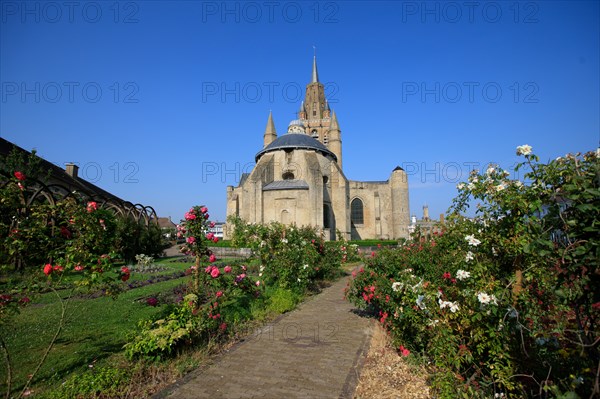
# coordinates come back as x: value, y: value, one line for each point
x: 385, y: 210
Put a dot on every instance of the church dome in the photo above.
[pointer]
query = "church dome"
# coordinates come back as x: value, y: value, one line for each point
x: 293, y: 141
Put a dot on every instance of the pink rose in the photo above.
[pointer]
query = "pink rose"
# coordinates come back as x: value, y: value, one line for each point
x: 191, y: 240
x: 227, y: 269
x: 215, y: 272
x: 210, y: 236
x: 58, y: 268
x: 92, y: 206
x: 403, y: 351
x: 208, y: 269
x: 78, y: 268
x: 219, y: 294
x: 215, y: 239
x: 212, y: 224
x: 257, y: 283
x: 212, y: 258
x: 189, y: 216
x: 206, y: 216
x: 204, y: 209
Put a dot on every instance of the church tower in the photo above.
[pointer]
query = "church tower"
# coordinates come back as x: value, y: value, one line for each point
x: 316, y: 116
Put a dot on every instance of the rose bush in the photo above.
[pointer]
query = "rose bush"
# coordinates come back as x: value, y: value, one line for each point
x: 506, y: 303
x: 291, y: 257
x: 218, y: 296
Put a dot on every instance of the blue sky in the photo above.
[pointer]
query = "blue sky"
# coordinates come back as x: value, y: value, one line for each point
x: 165, y: 103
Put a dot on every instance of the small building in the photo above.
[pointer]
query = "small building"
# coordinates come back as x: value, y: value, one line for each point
x: 425, y: 226
x: 217, y: 230
x: 167, y: 226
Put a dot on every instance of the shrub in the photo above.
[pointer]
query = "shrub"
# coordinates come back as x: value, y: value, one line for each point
x: 506, y: 303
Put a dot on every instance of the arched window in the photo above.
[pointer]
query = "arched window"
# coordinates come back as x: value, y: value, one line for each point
x: 288, y: 175
x: 326, y: 219
x: 356, y: 211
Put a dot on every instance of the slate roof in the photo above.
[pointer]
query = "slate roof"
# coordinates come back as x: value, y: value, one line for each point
x: 286, y: 185
x: 294, y: 141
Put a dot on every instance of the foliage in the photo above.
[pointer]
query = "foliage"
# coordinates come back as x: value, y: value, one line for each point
x: 506, y: 303
x: 47, y: 245
x: 291, y: 257
x: 217, y: 296
x: 103, y: 382
x: 96, y: 327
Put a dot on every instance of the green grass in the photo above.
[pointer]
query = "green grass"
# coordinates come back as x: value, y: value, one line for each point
x: 89, y: 351
x: 94, y: 329
x: 222, y: 243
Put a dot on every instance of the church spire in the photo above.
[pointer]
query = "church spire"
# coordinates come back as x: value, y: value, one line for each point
x: 315, y: 74
x: 270, y: 133
x: 334, y: 122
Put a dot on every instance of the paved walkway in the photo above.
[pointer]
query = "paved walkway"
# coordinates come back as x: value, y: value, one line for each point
x: 313, y: 352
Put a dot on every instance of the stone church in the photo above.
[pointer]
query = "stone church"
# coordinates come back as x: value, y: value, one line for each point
x: 298, y: 179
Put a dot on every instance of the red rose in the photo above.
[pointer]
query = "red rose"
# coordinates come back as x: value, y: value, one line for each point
x: 58, y: 268
x: 48, y: 269
x: 65, y: 232
x: 152, y: 301
x: 204, y: 209
x: 20, y: 176
x: 215, y: 239
x: 212, y: 258
x: 92, y: 206
x: 215, y: 272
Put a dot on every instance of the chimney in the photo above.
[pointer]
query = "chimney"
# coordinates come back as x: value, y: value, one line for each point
x: 72, y: 169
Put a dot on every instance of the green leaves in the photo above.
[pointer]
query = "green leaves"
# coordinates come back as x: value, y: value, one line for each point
x: 543, y: 325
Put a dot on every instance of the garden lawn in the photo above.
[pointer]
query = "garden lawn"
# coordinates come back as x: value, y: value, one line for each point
x: 94, y: 329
